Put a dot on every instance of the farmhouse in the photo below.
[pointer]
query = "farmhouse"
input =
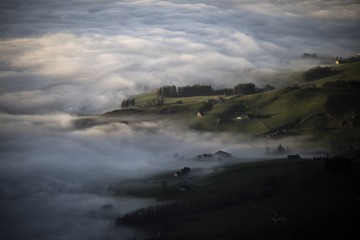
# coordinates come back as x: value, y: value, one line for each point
x: 220, y: 155
x: 245, y: 117
x: 211, y: 101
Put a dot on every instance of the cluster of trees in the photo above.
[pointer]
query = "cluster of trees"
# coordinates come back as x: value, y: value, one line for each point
x: 162, y: 213
x: 155, y: 102
x: 195, y: 90
x: 207, y: 90
x: 127, y: 103
x: 323, y: 59
x: 250, y: 88
x: 183, y: 172
x: 318, y: 72
x: 245, y: 88
x: 340, y: 60
x: 186, y: 91
x: 168, y: 91
x: 279, y: 150
x: 170, y: 211
x: 310, y: 55
x: 153, y: 214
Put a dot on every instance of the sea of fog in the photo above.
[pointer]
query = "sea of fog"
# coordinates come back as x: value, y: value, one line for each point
x: 85, y: 57
x: 55, y: 177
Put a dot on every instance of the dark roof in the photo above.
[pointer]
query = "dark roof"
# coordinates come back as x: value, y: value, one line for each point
x: 223, y: 154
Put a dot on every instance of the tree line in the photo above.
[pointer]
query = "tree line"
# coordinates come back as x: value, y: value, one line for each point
x: 127, y: 103
x: 318, y: 72
x: 207, y: 90
x: 156, y: 214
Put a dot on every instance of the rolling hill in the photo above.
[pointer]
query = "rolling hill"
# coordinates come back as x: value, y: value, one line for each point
x: 319, y: 108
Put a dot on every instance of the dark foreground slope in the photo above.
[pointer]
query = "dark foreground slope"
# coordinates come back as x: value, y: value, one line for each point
x: 242, y: 201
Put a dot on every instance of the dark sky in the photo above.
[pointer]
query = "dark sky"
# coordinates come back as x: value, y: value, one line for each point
x: 73, y: 54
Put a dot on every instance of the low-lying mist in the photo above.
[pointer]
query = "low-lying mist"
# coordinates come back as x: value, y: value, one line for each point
x: 54, y: 177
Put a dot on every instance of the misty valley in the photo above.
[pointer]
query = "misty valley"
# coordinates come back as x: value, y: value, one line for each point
x: 179, y: 119
x: 62, y: 181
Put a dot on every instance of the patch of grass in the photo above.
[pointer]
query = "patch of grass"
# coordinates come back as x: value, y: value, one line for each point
x: 142, y: 99
x: 347, y: 72
x: 188, y: 100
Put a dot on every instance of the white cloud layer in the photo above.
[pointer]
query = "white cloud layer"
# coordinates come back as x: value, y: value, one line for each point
x: 85, y: 56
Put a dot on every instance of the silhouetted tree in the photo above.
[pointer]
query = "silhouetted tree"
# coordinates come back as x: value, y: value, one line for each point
x: 280, y: 149
x: 244, y: 88
x: 310, y: 55
x: 192, y: 90
x: 126, y: 103
x: 268, y: 88
x: 317, y: 72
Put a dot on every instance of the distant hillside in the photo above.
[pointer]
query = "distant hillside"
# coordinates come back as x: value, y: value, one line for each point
x: 321, y: 106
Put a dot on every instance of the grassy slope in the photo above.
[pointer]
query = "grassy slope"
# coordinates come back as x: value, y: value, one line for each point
x: 286, y: 106
x: 348, y: 71
x: 318, y: 204
x: 141, y: 99
x: 283, y: 109
x: 306, y: 110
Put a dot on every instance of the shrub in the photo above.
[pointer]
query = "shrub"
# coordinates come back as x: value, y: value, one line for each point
x: 317, y: 73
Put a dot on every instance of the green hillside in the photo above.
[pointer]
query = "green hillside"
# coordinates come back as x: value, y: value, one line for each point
x: 307, y: 108
x: 303, y: 108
